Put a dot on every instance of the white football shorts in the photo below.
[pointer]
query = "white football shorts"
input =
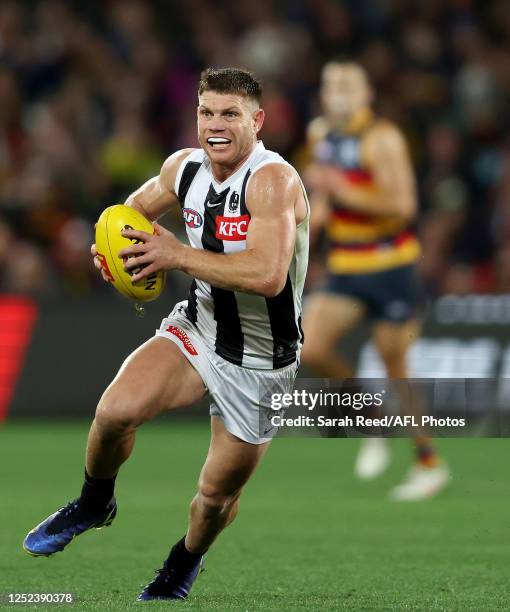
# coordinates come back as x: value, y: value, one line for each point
x: 241, y: 397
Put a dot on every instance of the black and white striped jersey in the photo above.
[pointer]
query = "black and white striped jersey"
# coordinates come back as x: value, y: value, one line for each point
x: 248, y: 330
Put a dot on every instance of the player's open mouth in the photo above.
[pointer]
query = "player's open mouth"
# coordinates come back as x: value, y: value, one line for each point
x: 218, y: 142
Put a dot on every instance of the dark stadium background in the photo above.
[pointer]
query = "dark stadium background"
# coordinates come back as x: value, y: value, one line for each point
x: 93, y: 96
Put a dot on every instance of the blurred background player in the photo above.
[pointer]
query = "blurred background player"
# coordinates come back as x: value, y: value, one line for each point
x: 364, y: 196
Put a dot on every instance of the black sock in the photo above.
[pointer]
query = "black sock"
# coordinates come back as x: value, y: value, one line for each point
x: 96, y: 493
x: 180, y: 555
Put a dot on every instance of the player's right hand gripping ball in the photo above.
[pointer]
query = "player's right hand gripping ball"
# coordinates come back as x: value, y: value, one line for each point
x: 109, y: 241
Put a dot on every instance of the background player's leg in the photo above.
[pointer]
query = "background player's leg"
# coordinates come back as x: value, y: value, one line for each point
x: 393, y: 341
x: 154, y: 378
x: 430, y: 475
x: 326, y: 319
x: 229, y: 464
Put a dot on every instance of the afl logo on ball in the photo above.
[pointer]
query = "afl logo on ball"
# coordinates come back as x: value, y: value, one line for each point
x: 192, y: 218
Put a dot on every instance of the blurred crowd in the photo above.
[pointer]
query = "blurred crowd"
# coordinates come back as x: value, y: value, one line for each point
x: 94, y: 95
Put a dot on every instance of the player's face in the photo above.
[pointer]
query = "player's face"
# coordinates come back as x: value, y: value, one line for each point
x: 344, y: 91
x: 227, y: 127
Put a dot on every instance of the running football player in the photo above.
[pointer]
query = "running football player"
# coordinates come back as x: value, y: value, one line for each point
x: 246, y: 216
x: 363, y: 194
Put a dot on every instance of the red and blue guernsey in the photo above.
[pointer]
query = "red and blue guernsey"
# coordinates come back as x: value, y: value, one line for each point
x: 361, y: 243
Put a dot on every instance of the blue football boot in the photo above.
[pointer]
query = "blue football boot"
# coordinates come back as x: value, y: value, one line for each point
x: 172, y: 582
x: 55, y: 532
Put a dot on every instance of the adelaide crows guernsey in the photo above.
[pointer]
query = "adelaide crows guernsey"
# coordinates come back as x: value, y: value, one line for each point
x: 361, y: 242
x: 248, y: 330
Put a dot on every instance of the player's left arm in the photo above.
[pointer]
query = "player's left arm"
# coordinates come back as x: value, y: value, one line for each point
x: 262, y: 268
x: 394, y: 193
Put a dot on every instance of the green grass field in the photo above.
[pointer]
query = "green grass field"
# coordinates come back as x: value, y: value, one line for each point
x: 309, y: 537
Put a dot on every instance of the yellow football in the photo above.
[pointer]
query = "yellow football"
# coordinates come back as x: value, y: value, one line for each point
x: 109, y: 241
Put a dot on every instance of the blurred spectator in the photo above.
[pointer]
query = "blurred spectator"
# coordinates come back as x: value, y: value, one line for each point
x: 93, y: 96
x: 128, y: 157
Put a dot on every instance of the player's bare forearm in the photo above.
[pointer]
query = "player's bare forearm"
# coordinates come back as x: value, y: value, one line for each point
x: 373, y: 202
x: 245, y: 271
x: 390, y: 196
x: 251, y: 271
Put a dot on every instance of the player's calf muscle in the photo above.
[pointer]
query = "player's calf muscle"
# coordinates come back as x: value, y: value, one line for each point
x: 214, y: 499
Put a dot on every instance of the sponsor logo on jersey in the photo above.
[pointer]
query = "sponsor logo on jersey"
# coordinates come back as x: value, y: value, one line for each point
x: 183, y: 337
x: 232, y: 228
x: 192, y: 218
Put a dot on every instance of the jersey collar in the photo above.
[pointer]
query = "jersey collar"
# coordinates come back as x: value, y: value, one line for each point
x: 257, y: 149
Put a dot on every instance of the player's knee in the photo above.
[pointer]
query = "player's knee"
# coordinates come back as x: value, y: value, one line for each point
x: 118, y: 412
x: 214, y: 500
